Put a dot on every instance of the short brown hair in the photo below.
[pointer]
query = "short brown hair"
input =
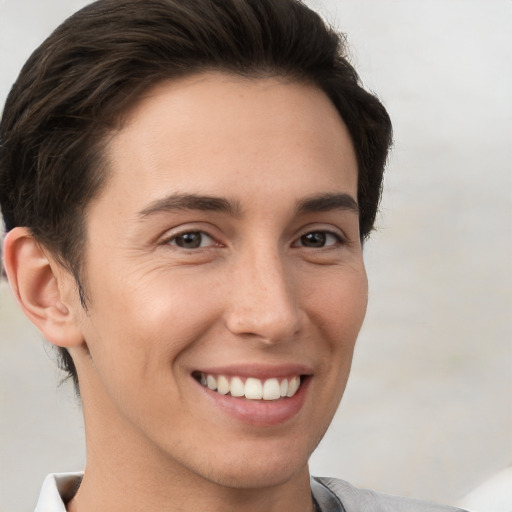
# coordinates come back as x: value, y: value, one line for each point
x: 73, y: 89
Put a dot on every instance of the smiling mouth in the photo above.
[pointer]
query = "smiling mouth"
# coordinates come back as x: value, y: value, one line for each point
x: 250, y: 388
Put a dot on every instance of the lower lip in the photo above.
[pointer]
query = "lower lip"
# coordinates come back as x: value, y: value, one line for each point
x: 261, y: 413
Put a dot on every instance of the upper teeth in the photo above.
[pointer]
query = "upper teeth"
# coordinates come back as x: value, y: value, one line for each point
x: 252, y: 388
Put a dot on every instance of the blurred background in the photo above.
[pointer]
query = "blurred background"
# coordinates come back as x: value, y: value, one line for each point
x: 428, y: 410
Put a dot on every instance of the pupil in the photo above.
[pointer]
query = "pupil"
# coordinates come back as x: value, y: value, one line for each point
x: 316, y: 239
x: 189, y: 240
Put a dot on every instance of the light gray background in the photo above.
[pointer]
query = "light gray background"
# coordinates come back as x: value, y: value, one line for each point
x: 428, y: 410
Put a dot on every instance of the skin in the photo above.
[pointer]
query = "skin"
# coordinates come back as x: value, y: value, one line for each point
x: 255, y: 292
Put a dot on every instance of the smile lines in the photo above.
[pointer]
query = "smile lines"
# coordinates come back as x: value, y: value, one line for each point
x: 252, y: 388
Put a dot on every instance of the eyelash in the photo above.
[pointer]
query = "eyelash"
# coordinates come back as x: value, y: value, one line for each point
x: 169, y: 241
x: 339, y: 240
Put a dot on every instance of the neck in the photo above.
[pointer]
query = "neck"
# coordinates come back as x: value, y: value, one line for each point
x: 122, y: 493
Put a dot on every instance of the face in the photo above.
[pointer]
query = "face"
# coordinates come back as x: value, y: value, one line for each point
x: 224, y: 272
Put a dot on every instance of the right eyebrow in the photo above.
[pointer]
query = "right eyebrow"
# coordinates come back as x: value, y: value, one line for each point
x: 190, y: 202
x: 327, y: 202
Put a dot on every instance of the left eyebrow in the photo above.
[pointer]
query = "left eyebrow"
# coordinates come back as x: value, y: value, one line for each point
x: 327, y: 202
x: 191, y: 202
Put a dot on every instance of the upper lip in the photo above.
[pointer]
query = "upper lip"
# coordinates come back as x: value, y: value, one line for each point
x: 258, y: 371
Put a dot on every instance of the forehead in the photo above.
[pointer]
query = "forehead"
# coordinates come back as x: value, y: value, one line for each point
x: 232, y: 134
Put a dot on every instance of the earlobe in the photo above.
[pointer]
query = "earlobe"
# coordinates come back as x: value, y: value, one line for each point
x: 41, y: 287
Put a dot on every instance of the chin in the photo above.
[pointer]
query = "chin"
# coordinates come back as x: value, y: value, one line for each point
x: 261, y: 467
x: 266, y: 475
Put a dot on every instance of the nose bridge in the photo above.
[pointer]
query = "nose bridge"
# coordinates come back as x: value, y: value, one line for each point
x: 263, y: 301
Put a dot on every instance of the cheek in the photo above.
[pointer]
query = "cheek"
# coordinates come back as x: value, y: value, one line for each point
x: 338, y: 310
x: 140, y: 323
x: 339, y: 305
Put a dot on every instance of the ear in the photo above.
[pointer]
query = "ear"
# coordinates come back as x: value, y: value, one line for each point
x: 42, y: 287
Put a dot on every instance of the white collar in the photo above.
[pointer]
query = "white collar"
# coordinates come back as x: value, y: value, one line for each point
x: 57, y: 487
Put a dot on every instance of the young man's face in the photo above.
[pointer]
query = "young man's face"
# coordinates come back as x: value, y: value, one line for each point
x: 224, y: 247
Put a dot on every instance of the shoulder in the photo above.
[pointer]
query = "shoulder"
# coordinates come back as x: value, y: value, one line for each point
x: 353, y: 499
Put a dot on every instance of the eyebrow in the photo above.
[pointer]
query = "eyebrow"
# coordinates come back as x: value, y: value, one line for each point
x: 191, y: 202
x: 328, y: 202
x: 312, y: 204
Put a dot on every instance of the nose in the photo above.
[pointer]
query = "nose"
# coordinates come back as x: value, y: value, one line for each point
x: 263, y: 302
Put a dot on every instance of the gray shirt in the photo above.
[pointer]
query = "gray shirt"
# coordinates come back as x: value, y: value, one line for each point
x: 333, y: 495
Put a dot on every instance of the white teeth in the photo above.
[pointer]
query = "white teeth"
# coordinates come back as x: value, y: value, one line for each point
x: 222, y: 385
x: 237, y: 387
x: 252, y: 389
x: 211, y: 382
x: 293, y: 386
x: 284, y: 387
x: 271, y: 389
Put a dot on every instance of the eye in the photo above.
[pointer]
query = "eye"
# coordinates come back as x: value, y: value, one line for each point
x: 192, y: 240
x: 318, y: 239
